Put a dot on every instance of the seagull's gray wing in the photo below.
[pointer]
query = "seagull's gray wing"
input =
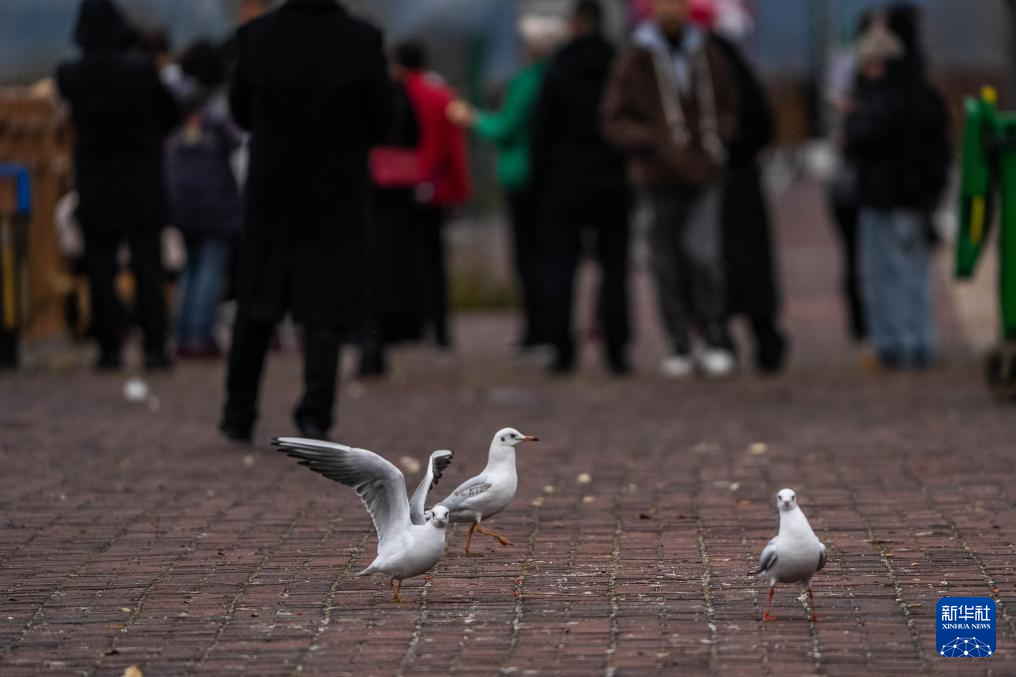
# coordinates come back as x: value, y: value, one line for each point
x: 466, y: 491
x: 821, y: 558
x: 439, y: 460
x: 379, y: 484
x: 768, y: 557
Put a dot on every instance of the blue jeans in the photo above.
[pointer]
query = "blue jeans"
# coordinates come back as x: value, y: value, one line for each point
x: 201, y: 290
x: 894, y: 263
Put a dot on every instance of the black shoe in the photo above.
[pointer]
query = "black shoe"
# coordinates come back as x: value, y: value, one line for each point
x: 617, y: 362
x: 8, y: 352
x: 564, y: 362
x: 109, y: 361
x: 372, y: 365
x: 771, y: 355
x: 312, y: 431
x: 235, y: 434
x: 442, y: 339
x: 771, y: 345
x: 157, y: 360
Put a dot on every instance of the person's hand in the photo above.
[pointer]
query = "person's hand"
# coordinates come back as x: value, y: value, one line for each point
x: 461, y: 113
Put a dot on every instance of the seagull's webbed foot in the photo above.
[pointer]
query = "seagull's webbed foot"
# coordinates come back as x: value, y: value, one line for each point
x: 766, y: 616
x: 493, y: 534
x: 396, y: 586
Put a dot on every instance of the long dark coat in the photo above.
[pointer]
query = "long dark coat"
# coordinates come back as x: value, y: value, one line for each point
x: 121, y: 114
x: 312, y: 86
x: 572, y: 161
x: 752, y: 287
x: 396, y: 298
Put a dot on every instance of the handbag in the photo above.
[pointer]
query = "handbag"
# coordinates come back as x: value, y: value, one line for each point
x: 393, y: 167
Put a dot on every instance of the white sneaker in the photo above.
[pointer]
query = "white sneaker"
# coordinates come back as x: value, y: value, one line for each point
x: 715, y: 362
x: 678, y: 366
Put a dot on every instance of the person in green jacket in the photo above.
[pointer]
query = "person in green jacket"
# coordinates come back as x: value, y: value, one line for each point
x: 508, y: 129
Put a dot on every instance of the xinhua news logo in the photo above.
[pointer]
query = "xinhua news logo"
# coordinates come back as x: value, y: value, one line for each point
x: 965, y: 627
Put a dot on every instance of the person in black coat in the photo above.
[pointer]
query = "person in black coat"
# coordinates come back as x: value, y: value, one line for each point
x: 312, y: 86
x: 582, y: 190
x: 752, y: 289
x: 121, y: 114
x: 396, y: 298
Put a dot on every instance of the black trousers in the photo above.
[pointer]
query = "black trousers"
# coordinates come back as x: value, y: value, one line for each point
x: 524, y: 212
x: 567, y: 227
x: 101, y: 248
x: 251, y: 338
x: 434, y: 271
x: 846, y: 215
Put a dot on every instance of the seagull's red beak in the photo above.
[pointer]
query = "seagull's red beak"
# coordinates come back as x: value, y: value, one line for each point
x: 530, y: 438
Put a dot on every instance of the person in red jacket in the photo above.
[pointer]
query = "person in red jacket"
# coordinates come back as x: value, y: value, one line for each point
x: 444, y: 166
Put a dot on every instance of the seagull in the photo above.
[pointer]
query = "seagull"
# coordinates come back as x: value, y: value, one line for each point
x: 794, y: 555
x: 492, y: 490
x: 408, y: 543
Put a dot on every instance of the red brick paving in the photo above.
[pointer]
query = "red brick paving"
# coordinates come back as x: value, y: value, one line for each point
x: 129, y: 536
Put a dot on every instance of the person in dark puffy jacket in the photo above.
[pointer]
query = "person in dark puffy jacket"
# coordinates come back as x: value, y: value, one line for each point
x: 121, y: 113
x: 582, y: 190
x: 204, y: 202
x: 897, y: 129
x: 752, y: 285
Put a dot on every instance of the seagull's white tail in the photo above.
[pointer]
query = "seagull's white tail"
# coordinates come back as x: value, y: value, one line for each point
x: 368, y: 571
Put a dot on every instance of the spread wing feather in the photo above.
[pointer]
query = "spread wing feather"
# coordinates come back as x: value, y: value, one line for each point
x: 379, y: 484
x: 436, y: 466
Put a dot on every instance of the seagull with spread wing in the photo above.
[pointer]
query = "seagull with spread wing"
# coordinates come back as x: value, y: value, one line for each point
x: 408, y: 543
x: 794, y: 555
x: 490, y: 492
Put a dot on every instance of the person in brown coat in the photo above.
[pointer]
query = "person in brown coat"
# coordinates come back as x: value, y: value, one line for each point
x: 671, y: 106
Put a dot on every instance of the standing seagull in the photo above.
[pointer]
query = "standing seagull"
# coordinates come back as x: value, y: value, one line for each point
x: 408, y: 545
x: 794, y: 555
x: 492, y: 490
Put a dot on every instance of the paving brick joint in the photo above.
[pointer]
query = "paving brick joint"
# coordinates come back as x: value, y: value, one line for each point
x: 132, y: 535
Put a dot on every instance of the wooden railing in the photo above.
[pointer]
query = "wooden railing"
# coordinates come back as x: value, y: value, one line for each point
x: 34, y: 133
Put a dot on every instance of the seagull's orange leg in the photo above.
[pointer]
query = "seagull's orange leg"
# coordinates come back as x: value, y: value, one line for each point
x: 396, y: 585
x: 766, y: 616
x: 493, y: 534
x: 811, y: 603
x: 469, y: 538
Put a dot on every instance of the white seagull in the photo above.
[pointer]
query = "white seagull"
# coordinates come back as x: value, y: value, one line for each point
x: 408, y: 544
x: 794, y: 555
x: 492, y: 490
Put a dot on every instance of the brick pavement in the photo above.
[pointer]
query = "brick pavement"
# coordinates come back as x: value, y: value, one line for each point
x: 136, y: 537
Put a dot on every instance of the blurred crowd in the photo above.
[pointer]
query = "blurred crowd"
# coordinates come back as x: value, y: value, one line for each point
x: 311, y: 173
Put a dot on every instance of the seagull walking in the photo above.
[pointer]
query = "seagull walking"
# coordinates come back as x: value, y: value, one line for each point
x: 408, y: 544
x: 794, y: 555
x: 490, y: 492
